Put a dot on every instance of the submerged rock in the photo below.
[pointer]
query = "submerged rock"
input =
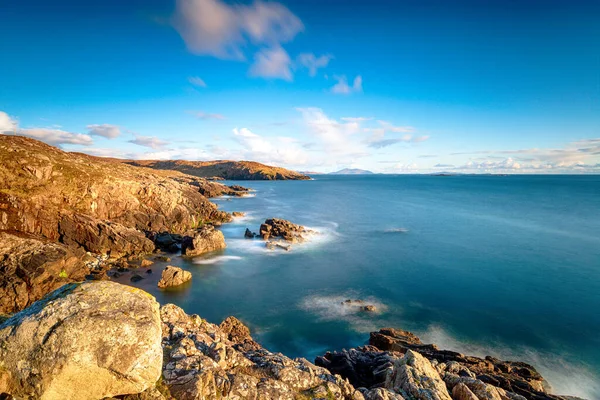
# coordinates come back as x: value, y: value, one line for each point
x: 83, y: 341
x: 173, y: 276
x: 360, y: 304
x: 205, y: 239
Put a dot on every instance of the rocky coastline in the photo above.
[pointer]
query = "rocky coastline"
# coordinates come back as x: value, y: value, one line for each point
x: 69, y: 222
x: 104, y: 340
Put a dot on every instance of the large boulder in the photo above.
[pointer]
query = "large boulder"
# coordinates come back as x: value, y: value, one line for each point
x: 413, y: 374
x: 204, y: 240
x: 83, y: 341
x: 30, y: 268
x: 173, y: 276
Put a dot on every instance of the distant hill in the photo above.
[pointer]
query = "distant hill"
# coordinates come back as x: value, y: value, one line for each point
x: 231, y: 170
x: 351, y: 171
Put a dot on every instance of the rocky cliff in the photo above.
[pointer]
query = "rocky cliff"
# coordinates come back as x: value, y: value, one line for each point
x: 56, y: 206
x: 231, y: 170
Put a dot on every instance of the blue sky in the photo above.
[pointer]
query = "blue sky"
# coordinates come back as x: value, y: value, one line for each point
x: 390, y: 86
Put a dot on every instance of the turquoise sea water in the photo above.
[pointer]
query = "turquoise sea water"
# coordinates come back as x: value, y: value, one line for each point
x: 507, y: 266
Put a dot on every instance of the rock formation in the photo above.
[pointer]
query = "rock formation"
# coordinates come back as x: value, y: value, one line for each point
x: 45, y: 191
x: 30, y: 268
x: 83, y: 341
x: 206, y: 361
x: 400, y: 363
x: 205, y: 239
x: 281, y: 228
x: 230, y: 170
x: 173, y: 276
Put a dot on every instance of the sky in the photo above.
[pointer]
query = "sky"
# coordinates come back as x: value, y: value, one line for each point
x: 471, y: 86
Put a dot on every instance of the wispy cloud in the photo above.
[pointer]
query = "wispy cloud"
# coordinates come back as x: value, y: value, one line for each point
x: 342, y: 87
x: 378, y: 138
x: 104, y: 130
x: 149, y: 141
x: 272, y: 63
x: 312, y: 62
x: 215, y: 28
x: 56, y: 137
x: 197, y: 81
x: 206, y: 116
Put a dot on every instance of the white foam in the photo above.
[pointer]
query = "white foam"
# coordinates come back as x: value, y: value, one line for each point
x: 215, y: 260
x: 331, y: 308
x: 247, y: 217
x: 564, y: 377
x: 396, y: 230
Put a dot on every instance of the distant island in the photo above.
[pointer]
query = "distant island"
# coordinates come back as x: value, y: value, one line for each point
x: 351, y: 171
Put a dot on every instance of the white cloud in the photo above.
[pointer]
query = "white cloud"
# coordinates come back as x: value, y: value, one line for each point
x: 104, y: 130
x: 149, y: 141
x: 342, y: 87
x: 356, y: 119
x: 56, y: 137
x: 7, y: 124
x: 397, y: 129
x: 312, y: 62
x: 204, y: 115
x: 379, y: 140
x: 215, y: 28
x: 272, y: 150
x: 335, y: 142
x: 581, y: 155
x: 52, y: 136
x: 273, y: 63
x: 197, y: 81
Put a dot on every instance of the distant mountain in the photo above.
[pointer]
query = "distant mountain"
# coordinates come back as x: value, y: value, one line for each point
x: 351, y: 171
x: 232, y: 170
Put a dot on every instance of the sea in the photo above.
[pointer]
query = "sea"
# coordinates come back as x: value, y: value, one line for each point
x: 507, y: 266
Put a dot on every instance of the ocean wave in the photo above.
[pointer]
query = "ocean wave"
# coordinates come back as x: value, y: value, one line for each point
x: 396, y: 230
x: 332, y: 308
x: 215, y: 260
x: 564, y: 377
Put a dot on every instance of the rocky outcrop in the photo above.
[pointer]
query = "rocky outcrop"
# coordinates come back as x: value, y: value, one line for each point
x: 414, y: 375
x: 206, y: 361
x: 230, y: 170
x: 103, y: 237
x: 40, y: 184
x: 205, y: 239
x: 87, y: 204
x: 281, y: 228
x: 30, y: 268
x: 214, y: 189
x: 83, y: 341
x: 173, y: 276
x: 400, y: 363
